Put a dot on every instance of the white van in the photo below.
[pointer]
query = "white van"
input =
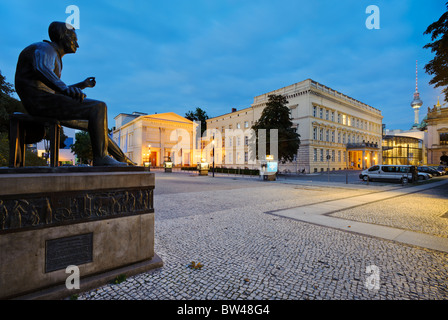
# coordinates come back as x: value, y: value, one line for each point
x: 388, y: 172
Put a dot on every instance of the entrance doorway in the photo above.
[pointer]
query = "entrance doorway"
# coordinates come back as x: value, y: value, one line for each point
x: 355, y: 160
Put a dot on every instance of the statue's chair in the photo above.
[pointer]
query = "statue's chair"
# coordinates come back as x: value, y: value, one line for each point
x: 26, y: 129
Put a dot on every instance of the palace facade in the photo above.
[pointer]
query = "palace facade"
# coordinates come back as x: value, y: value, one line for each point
x: 336, y: 131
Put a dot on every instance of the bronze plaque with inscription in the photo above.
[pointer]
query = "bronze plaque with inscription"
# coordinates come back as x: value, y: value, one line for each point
x: 63, y: 252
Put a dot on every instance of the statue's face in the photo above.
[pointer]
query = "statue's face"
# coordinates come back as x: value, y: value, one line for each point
x: 70, y: 42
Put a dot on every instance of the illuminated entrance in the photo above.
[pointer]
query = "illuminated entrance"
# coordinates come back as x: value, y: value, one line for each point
x: 362, y: 155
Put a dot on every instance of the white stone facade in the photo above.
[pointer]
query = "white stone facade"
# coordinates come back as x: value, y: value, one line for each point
x: 329, y: 123
x: 155, y: 138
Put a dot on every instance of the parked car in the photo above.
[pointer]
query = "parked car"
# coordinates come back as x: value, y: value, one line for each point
x: 399, y: 173
x: 424, y: 176
x: 428, y: 170
x: 442, y: 172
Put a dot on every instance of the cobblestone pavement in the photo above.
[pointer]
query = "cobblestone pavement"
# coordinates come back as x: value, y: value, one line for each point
x: 248, y: 254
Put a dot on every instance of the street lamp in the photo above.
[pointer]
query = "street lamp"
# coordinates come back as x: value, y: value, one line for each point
x: 148, y: 163
x: 213, y: 143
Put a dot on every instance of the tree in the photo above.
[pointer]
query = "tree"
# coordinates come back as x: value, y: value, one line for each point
x: 8, y: 104
x: 82, y: 147
x: 31, y: 158
x: 276, y: 115
x: 438, y: 67
x: 198, y: 115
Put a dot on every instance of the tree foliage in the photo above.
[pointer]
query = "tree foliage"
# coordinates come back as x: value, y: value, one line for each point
x: 82, y: 147
x: 200, y: 116
x: 31, y: 158
x: 276, y: 115
x: 8, y: 104
x: 438, y: 67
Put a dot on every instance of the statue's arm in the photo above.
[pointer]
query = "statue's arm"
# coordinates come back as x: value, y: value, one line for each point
x: 88, y: 83
x: 41, y: 64
x: 44, y: 63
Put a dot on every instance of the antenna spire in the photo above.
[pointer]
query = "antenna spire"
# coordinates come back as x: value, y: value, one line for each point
x: 416, y: 76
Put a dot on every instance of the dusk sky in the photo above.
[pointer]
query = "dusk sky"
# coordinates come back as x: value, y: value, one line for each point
x: 160, y: 56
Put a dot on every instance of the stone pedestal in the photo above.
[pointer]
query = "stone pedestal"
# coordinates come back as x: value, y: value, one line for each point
x: 101, y: 222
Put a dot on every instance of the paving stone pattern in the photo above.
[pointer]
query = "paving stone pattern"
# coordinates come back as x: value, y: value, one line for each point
x: 248, y: 254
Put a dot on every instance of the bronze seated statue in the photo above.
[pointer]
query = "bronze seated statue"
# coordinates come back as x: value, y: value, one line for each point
x: 43, y: 94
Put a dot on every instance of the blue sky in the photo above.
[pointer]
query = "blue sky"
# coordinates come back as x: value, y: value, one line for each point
x: 159, y: 56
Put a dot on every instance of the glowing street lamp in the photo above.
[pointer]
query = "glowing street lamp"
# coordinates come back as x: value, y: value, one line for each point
x: 213, y: 143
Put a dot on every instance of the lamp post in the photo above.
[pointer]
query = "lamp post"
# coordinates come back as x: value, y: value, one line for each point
x: 149, y: 157
x: 213, y: 143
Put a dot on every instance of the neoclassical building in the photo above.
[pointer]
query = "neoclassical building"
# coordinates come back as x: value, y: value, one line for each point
x: 336, y: 131
x: 437, y: 127
x: 156, y: 138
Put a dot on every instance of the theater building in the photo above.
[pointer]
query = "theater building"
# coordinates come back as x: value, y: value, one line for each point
x: 156, y: 138
x: 336, y: 131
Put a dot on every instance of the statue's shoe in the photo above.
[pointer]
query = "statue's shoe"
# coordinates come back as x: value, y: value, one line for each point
x: 130, y: 162
x: 108, y: 161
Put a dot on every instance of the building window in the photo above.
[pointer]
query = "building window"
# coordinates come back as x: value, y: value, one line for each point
x: 327, y: 135
x: 321, y: 154
x: 321, y: 134
x: 246, y: 124
x: 238, y: 125
x: 321, y: 113
x: 315, y: 154
x: 332, y: 136
x: 339, y: 156
x: 314, y: 111
x: 444, y: 139
x: 326, y: 114
x: 333, y: 156
x: 315, y: 133
x: 332, y: 116
x: 339, y: 118
x: 339, y: 137
x: 246, y: 156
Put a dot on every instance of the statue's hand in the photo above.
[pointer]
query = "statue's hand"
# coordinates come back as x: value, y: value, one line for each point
x: 90, y: 82
x: 75, y: 93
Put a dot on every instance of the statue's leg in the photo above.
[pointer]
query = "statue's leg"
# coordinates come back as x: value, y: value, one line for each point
x: 112, y: 148
x: 63, y: 108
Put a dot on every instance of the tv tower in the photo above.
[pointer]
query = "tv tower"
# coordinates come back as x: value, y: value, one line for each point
x: 416, y: 103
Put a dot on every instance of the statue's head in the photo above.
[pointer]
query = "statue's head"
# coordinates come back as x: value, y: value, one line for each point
x: 64, y: 35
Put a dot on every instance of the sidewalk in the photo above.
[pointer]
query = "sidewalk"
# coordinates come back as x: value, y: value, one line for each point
x: 320, y: 214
